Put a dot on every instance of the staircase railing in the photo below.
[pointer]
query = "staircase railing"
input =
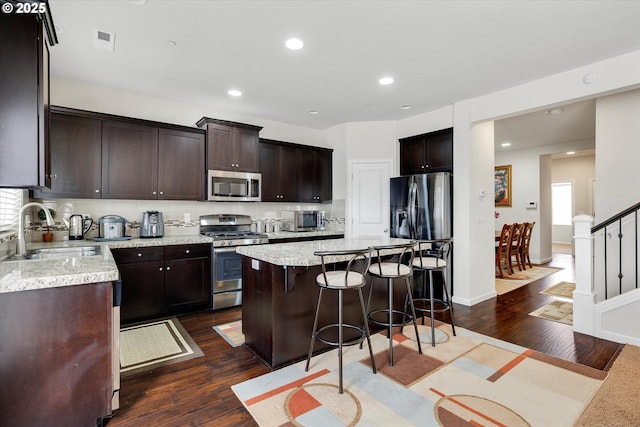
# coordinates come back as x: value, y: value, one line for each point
x: 615, y: 269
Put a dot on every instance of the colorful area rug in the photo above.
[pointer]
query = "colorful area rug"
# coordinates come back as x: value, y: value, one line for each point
x: 561, y: 290
x: 231, y: 332
x: 148, y: 346
x: 469, y: 380
x: 521, y: 278
x: 558, y: 311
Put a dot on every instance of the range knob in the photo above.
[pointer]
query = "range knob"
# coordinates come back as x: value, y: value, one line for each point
x: 229, y: 243
x: 222, y: 243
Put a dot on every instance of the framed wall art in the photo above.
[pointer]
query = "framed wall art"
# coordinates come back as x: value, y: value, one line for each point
x: 502, y: 185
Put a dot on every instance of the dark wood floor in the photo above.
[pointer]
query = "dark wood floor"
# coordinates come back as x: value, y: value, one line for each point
x: 197, y: 392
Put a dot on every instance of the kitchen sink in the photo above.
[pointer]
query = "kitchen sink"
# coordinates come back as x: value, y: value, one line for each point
x: 61, y: 252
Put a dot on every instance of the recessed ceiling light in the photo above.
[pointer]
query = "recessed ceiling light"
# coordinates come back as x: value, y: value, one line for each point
x: 314, y: 112
x: 589, y: 78
x: 505, y: 144
x: 294, y: 44
x: 569, y: 153
x: 234, y: 92
x: 138, y: 2
x: 386, y: 81
x: 405, y: 107
x: 554, y: 111
x: 172, y: 43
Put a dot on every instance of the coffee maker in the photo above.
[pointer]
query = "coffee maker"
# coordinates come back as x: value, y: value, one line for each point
x: 152, y: 224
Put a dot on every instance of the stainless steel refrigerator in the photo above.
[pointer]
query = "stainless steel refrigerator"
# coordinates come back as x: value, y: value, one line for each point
x: 421, y: 209
x: 421, y: 206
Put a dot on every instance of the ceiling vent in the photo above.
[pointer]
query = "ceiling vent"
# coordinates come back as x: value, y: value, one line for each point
x: 103, y: 40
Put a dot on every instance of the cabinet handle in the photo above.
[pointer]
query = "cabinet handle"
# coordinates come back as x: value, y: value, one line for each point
x: 168, y: 268
x: 97, y: 191
x: 53, y: 176
x: 139, y: 254
x: 154, y: 193
x: 187, y: 251
x: 426, y: 166
x: 422, y: 167
x: 162, y: 192
x: 160, y: 269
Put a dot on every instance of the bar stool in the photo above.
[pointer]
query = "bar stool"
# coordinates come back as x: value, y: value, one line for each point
x: 352, y: 278
x: 390, y: 270
x: 434, y: 258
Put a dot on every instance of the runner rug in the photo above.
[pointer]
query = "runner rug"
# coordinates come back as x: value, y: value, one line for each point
x: 469, y: 379
x: 231, y: 332
x: 521, y: 278
x: 147, y: 346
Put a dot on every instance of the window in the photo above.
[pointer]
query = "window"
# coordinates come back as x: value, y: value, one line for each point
x: 10, y: 204
x: 562, y: 201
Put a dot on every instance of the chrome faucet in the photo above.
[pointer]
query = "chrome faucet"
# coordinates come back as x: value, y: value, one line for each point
x: 22, y: 246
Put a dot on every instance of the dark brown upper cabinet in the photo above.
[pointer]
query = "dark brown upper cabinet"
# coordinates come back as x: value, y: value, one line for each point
x: 76, y: 157
x: 95, y: 155
x: 129, y: 161
x: 429, y: 152
x: 231, y: 146
x: 314, y: 175
x: 24, y: 99
x: 180, y: 165
x: 279, y: 163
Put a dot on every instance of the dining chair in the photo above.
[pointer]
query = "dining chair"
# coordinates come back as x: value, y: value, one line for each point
x: 351, y: 278
x: 514, y: 245
x: 526, y: 241
x: 502, y: 250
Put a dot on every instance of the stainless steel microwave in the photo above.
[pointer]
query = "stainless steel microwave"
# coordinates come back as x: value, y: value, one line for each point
x: 303, y: 220
x: 226, y: 186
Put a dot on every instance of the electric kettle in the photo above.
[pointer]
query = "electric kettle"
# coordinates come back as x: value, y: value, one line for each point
x: 78, y: 226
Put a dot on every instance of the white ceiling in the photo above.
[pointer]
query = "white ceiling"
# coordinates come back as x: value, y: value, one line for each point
x: 439, y: 52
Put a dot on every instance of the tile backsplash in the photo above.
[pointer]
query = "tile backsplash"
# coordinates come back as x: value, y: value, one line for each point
x: 180, y: 218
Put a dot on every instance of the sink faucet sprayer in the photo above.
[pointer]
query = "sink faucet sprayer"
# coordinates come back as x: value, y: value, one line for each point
x: 22, y: 246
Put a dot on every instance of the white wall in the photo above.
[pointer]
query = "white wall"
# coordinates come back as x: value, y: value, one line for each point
x: 617, y: 153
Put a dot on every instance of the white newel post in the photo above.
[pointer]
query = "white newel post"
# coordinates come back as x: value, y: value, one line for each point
x: 583, y: 297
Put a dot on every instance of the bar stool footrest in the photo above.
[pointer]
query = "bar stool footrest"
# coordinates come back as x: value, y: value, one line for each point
x: 405, y: 315
x: 439, y: 305
x: 354, y: 341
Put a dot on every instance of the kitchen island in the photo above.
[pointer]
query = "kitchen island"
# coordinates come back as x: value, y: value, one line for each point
x: 279, y: 296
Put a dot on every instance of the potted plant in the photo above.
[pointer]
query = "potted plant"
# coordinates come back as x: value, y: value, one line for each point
x: 48, y: 236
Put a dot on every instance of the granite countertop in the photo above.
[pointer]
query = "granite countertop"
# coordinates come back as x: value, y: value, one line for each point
x: 298, y: 234
x: 22, y: 275
x: 300, y: 254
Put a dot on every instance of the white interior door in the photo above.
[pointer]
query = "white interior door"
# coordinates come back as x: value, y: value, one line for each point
x: 369, y: 198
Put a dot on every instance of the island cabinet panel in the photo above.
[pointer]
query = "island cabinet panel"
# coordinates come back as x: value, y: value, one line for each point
x: 279, y: 171
x: 129, y: 161
x: 56, y: 356
x: 231, y: 146
x: 429, y: 152
x: 278, y: 309
x: 76, y: 157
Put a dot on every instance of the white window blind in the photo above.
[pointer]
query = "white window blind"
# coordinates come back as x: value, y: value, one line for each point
x: 10, y: 204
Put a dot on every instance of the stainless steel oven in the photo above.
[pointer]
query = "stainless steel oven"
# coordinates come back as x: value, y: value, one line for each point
x: 228, y: 232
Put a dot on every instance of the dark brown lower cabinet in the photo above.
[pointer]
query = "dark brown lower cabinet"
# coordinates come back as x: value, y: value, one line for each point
x: 163, y: 280
x: 55, y: 356
x: 187, y: 278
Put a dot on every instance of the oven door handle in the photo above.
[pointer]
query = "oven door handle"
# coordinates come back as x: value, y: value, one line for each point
x: 224, y: 249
